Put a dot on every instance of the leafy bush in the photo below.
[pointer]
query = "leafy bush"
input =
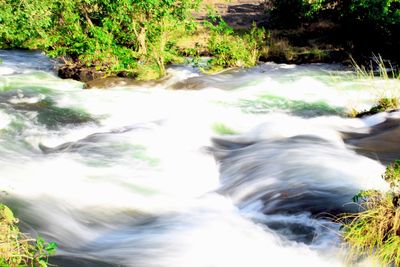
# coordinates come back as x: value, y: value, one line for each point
x: 292, y: 13
x: 385, y: 104
x: 107, y: 35
x: 375, y: 231
x: 131, y: 36
x: 16, y: 249
x: 380, y: 14
x: 232, y: 50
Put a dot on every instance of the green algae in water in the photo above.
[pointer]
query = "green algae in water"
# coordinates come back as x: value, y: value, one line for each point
x: 269, y: 103
x: 101, y: 156
x: 31, y: 88
x: 222, y: 129
x: 140, y: 153
x: 52, y: 116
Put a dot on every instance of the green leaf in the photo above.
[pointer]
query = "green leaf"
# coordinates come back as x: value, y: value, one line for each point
x: 51, y: 248
x: 8, y: 214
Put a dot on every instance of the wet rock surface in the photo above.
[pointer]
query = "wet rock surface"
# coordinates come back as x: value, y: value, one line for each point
x: 79, y: 73
x: 380, y: 143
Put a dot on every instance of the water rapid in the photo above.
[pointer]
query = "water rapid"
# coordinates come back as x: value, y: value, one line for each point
x: 243, y: 168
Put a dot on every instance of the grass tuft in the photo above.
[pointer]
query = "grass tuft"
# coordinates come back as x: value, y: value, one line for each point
x: 383, y: 80
x: 16, y: 249
x: 375, y: 230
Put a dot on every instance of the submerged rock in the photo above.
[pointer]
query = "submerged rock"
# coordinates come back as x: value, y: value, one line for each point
x: 53, y: 117
x: 47, y: 112
x: 79, y: 73
x: 110, y: 82
x: 193, y: 83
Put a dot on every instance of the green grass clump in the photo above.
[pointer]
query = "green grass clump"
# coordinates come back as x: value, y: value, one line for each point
x: 230, y: 49
x: 386, y: 104
x: 16, y: 249
x: 375, y: 231
x: 382, y: 105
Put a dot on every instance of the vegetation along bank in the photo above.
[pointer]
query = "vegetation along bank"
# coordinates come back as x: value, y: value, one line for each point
x: 137, y: 39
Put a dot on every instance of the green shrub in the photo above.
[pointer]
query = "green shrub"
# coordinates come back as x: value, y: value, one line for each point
x: 135, y: 36
x: 379, y: 14
x: 292, y: 13
x: 16, y: 249
x: 107, y: 35
x: 385, y: 104
x: 230, y: 49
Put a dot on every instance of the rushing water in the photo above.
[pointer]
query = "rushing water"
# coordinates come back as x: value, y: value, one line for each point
x: 141, y: 175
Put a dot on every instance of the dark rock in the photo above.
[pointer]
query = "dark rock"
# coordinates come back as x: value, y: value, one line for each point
x: 126, y: 74
x: 79, y: 73
x: 380, y: 143
x: 53, y: 117
x: 194, y: 83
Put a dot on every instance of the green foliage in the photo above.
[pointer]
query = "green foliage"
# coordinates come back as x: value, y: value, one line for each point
x: 23, y: 23
x: 291, y: 13
x: 230, y: 49
x: 385, y: 104
x: 379, y: 14
x: 16, y: 249
x: 375, y: 231
x: 107, y: 35
x: 131, y: 36
x: 392, y: 175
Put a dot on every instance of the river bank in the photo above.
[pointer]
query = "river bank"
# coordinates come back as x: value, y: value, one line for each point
x: 305, y: 32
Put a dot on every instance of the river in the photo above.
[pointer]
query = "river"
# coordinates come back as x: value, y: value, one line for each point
x: 247, y: 168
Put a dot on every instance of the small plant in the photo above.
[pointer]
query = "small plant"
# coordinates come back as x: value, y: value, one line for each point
x: 375, y: 231
x: 384, y: 104
x: 392, y: 176
x: 378, y: 68
x: 229, y: 49
x: 16, y: 249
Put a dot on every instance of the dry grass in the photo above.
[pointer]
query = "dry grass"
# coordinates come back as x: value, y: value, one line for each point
x: 198, y: 40
x: 384, y: 84
x: 375, y: 231
x: 281, y: 48
x: 16, y: 249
